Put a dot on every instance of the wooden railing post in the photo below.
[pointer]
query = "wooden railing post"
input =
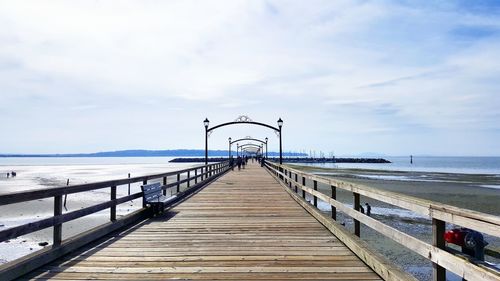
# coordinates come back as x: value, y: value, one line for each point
x: 144, y: 182
x: 58, y: 206
x: 334, y: 197
x: 357, y: 226
x: 296, y: 180
x: 315, y: 198
x: 196, y: 176
x: 303, y: 184
x: 285, y: 171
x: 178, y: 182
x: 290, y: 179
x: 438, y: 229
x: 189, y: 179
x: 164, y: 183
x: 112, y: 210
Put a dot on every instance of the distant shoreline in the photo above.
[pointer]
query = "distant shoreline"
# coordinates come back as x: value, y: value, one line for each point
x: 141, y: 153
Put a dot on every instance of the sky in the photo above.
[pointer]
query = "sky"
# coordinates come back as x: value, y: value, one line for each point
x: 346, y: 77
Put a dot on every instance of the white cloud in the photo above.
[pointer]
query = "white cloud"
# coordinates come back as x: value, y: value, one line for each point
x: 376, y: 67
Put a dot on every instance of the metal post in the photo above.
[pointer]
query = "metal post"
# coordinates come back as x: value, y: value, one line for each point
x: 206, y: 145
x: 229, y: 147
x: 438, y: 229
x: 357, y: 225
x: 266, y: 148
x: 206, y: 122
x: 281, y: 149
x: 57, y: 235
x: 112, y: 213
x: 334, y: 197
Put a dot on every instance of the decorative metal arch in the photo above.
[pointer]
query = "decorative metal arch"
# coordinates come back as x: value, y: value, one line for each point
x: 247, y: 138
x: 243, y: 119
x: 256, y: 152
x: 250, y: 144
x: 252, y: 149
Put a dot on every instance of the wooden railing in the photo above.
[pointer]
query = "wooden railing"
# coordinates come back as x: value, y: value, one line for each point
x: 440, y: 214
x: 199, y: 175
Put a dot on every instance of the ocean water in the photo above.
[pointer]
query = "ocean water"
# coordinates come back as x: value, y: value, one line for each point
x: 32, y: 161
x: 464, y: 165
x: 34, y: 173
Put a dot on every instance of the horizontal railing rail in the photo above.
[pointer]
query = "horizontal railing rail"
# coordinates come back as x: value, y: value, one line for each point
x: 199, y: 174
x: 440, y: 214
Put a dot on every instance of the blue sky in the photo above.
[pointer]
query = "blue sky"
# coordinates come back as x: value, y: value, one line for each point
x: 393, y: 77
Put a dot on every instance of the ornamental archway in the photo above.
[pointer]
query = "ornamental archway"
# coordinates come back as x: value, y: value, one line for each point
x: 241, y: 120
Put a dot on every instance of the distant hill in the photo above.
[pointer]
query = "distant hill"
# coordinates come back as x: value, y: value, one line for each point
x: 147, y: 153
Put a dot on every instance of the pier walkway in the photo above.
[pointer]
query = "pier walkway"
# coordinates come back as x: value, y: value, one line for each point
x: 243, y: 226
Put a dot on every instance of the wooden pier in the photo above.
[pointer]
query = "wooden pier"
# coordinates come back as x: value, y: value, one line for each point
x: 244, y: 226
x: 252, y: 224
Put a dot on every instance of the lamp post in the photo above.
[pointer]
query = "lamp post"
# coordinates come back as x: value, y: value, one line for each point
x: 229, y: 147
x: 206, y: 123
x: 266, y: 147
x: 237, y: 149
x: 280, y: 124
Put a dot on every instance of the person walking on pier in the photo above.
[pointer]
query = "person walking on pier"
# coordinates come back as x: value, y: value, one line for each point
x: 238, y: 162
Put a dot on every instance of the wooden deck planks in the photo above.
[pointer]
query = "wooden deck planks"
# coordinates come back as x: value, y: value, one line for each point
x: 244, y: 226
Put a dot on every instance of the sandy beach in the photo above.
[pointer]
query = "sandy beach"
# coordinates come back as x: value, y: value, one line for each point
x: 46, y: 176
x: 472, y: 191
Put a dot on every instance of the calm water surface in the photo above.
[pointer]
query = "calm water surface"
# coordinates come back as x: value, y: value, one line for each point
x: 466, y: 165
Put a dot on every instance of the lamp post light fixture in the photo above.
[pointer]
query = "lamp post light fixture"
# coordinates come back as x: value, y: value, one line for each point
x: 280, y: 124
x: 266, y: 147
x: 206, y: 123
x: 229, y: 147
